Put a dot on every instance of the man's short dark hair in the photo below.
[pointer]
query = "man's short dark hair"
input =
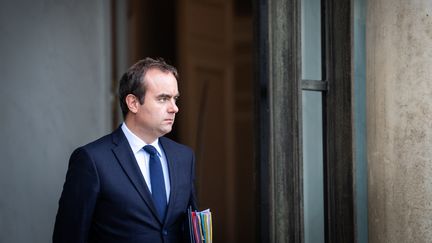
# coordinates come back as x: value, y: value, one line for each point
x: 132, y: 82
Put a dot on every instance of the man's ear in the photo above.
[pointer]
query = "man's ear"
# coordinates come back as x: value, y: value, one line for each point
x: 132, y: 103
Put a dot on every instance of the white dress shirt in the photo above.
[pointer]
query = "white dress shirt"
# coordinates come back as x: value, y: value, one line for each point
x: 142, y: 157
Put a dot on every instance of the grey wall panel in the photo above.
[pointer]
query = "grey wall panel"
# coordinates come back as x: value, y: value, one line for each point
x: 54, y: 93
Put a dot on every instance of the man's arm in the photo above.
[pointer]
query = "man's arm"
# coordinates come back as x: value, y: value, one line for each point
x: 193, y: 202
x: 78, y: 200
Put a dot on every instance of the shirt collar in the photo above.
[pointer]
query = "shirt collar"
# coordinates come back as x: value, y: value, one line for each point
x: 136, y: 143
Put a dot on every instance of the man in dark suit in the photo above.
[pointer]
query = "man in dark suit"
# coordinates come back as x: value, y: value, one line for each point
x: 133, y: 185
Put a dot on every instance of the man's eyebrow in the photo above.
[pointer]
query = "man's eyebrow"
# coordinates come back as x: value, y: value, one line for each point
x: 163, y: 95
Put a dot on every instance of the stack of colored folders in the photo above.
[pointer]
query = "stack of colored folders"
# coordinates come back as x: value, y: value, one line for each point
x: 200, y: 226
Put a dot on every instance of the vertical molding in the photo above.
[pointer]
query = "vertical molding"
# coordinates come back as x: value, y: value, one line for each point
x: 280, y: 158
x: 262, y: 116
x: 285, y: 155
x: 339, y: 124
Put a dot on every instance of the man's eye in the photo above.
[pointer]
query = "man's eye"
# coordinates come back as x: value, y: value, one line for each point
x: 163, y: 99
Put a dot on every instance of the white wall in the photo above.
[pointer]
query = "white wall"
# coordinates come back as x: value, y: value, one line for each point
x: 55, y: 95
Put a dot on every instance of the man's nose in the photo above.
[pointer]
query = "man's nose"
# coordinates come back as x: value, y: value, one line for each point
x: 173, y: 107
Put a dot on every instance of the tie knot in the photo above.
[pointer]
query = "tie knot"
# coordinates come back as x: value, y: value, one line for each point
x: 150, y: 149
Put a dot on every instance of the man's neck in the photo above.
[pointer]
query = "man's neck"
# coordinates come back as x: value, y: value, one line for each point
x: 131, y: 125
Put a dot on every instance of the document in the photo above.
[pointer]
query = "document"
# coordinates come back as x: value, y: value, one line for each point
x: 200, y: 226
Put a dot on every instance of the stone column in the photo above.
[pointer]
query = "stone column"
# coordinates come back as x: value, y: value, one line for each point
x: 399, y: 120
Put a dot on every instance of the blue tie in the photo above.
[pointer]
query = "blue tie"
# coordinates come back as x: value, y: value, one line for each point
x: 157, y: 181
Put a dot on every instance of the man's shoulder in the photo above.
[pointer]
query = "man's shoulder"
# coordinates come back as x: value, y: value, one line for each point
x: 104, y: 142
x: 171, y: 144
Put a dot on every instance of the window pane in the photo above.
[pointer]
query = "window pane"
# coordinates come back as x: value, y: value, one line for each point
x: 313, y: 167
x: 311, y: 40
x: 313, y: 177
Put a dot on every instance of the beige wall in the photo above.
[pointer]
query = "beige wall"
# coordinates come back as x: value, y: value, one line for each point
x: 399, y: 120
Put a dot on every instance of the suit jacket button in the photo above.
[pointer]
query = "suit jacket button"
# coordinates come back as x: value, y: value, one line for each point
x: 164, y: 232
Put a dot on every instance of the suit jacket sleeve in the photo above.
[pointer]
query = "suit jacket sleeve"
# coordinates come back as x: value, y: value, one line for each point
x: 78, y: 199
x: 193, y: 202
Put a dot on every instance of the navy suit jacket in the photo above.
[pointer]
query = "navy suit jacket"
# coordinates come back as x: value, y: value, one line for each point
x: 106, y: 199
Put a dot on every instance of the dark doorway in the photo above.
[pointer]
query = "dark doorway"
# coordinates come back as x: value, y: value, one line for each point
x: 211, y: 44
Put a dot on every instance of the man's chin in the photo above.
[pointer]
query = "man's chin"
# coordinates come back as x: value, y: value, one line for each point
x: 165, y: 131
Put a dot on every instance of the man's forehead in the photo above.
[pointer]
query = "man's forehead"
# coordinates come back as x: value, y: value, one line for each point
x: 154, y: 72
x: 158, y: 77
x: 162, y: 86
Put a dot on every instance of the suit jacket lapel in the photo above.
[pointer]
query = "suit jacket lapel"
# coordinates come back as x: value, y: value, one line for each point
x: 171, y: 157
x: 128, y: 162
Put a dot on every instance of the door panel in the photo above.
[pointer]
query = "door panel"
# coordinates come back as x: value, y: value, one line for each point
x: 214, y: 53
